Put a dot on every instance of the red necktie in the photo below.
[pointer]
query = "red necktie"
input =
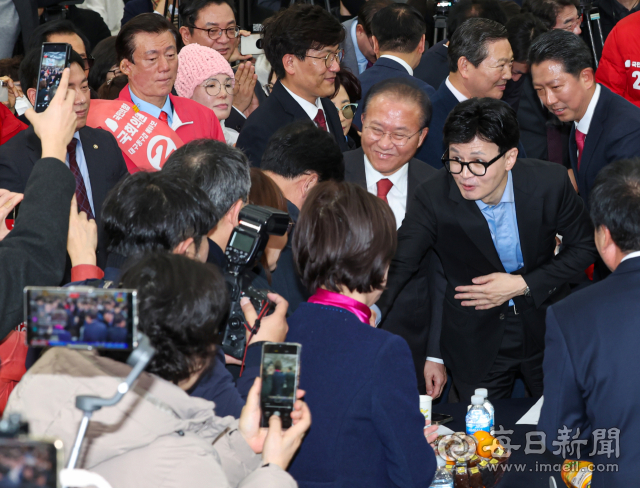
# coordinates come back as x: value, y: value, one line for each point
x: 580, y: 142
x: 384, y: 187
x: 319, y: 120
x: 81, y: 189
x: 163, y: 116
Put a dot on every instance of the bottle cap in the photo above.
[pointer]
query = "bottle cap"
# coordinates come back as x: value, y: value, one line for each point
x: 482, y: 392
x: 440, y: 462
x: 477, y: 400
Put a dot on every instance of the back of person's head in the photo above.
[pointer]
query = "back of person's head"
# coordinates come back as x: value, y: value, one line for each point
x: 471, y: 39
x: 297, y: 29
x: 189, y: 10
x: 181, y: 304
x: 347, y: 80
x: 221, y: 171
x: 398, y: 28
x: 104, y: 55
x: 110, y: 89
x: 523, y: 29
x: 510, y: 9
x: 30, y: 68
x: 11, y: 67
x: 144, y: 23
x: 301, y: 147
x: 402, y: 89
x: 562, y: 47
x: 345, y: 237
x: 154, y: 211
x: 368, y: 10
x: 487, y: 119
x: 547, y: 10
x: 614, y: 201
x: 44, y: 32
x: 466, y: 9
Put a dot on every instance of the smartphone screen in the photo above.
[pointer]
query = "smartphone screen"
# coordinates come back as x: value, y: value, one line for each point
x: 82, y: 317
x: 279, y: 372
x: 29, y: 463
x: 53, y: 61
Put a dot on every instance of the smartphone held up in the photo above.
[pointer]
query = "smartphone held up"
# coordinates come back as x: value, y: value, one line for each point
x: 53, y: 60
x: 280, y: 373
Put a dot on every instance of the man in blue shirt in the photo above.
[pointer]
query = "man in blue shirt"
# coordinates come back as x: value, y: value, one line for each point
x: 493, y: 219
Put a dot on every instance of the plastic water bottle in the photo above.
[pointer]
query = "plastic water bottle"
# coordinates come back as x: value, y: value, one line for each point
x: 487, y: 404
x: 443, y: 478
x: 478, y: 418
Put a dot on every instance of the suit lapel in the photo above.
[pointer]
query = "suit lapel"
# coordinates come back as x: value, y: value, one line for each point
x: 529, y: 208
x: 596, y: 128
x: 412, y: 179
x: 289, y: 105
x: 356, y: 169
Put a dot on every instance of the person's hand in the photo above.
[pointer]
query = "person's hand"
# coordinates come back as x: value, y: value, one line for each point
x: 280, y: 446
x: 231, y: 360
x: 491, y: 290
x: 431, y: 434
x: 246, y: 80
x: 14, y: 92
x: 56, y: 125
x: 236, y: 55
x: 8, y: 201
x: 82, y: 239
x: 274, y: 327
x: 435, y: 375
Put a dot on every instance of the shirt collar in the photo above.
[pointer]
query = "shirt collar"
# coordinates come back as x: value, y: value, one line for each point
x: 404, y: 64
x: 507, y: 196
x: 310, y: 109
x: 152, y: 109
x: 399, y: 178
x: 631, y: 255
x: 583, y: 124
x: 360, y: 58
x: 456, y: 93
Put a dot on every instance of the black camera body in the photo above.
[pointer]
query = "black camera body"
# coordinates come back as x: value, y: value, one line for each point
x: 246, y: 245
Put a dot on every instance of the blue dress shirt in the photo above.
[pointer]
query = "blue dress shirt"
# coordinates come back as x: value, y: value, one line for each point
x: 503, y: 225
x: 362, y: 61
x: 84, y: 171
x: 150, y: 109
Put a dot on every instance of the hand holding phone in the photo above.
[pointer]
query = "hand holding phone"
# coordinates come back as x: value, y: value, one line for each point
x: 54, y: 59
x: 280, y: 370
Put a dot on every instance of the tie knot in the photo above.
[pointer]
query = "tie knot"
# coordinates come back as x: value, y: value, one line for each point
x: 71, y: 147
x: 580, y: 136
x: 384, y: 187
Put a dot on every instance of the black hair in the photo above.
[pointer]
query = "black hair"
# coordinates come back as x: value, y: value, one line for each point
x: 301, y: 147
x: 547, y: 10
x: 470, y: 40
x: 42, y: 33
x: 614, y: 202
x: 404, y: 89
x: 152, y: 211
x: 297, y: 29
x: 346, y: 79
x: 11, y: 67
x: 367, y: 12
x: 489, y: 119
x: 105, y: 57
x: 181, y: 305
x: 30, y: 66
x: 221, y: 171
x: 466, y: 9
x: 523, y: 29
x: 563, y: 47
x: 189, y: 10
x: 398, y: 28
x: 150, y: 23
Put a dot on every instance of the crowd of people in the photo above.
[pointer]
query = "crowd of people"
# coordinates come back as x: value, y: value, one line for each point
x: 464, y: 214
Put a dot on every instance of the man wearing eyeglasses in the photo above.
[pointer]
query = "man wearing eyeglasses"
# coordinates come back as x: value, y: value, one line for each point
x: 492, y: 219
x: 302, y: 45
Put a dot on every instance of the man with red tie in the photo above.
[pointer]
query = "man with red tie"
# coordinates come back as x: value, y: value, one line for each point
x: 302, y: 43
x: 606, y: 126
x: 147, y: 53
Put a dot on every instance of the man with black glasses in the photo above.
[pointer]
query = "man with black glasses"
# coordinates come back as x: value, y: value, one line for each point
x: 493, y: 219
x: 302, y: 43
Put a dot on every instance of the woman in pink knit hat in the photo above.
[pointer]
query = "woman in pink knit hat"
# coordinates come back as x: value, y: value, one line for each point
x: 206, y: 77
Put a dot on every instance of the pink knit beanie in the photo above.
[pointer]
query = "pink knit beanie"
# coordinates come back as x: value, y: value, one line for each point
x: 196, y: 64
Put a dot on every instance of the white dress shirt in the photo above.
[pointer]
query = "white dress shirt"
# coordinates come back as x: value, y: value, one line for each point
x: 631, y: 255
x: 583, y: 124
x: 404, y: 64
x: 84, y: 171
x: 456, y: 93
x: 397, y: 196
x: 310, y: 109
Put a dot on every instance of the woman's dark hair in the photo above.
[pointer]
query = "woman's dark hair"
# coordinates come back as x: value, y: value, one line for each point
x: 345, y: 78
x: 181, y: 304
x: 523, y: 29
x: 398, y: 27
x: 471, y: 39
x: 150, y: 23
x: 489, y: 119
x: 614, y: 202
x: 345, y: 237
x: 562, y: 47
x: 104, y: 55
x: 110, y: 89
x: 297, y: 29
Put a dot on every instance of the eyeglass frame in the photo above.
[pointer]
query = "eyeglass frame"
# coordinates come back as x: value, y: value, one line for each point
x: 576, y: 22
x: 236, y: 30
x: 88, y: 62
x: 355, y: 107
x: 337, y: 56
x: 235, y: 84
x: 390, y: 133
x: 465, y: 163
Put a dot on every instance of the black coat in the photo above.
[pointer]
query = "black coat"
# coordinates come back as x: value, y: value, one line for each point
x: 434, y: 65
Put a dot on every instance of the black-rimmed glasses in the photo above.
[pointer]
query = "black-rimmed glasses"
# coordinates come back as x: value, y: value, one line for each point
x: 88, y: 62
x: 215, y: 33
x: 330, y: 58
x: 213, y: 87
x: 477, y: 168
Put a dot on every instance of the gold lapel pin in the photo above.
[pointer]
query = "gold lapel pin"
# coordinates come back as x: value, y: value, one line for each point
x: 95, y: 146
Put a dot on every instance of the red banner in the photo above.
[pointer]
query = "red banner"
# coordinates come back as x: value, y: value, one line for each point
x: 146, y: 140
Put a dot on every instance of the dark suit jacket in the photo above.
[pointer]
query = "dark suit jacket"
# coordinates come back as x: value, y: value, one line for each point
x: 278, y: 110
x: 417, y: 320
x: 236, y: 120
x: 367, y: 428
x: 28, y: 13
x: 135, y: 7
x: 383, y: 69
x: 104, y: 162
x: 434, y: 65
x: 590, y: 381
x: 440, y: 217
x: 614, y: 134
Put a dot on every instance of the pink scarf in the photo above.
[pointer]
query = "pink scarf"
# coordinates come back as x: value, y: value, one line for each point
x: 326, y: 297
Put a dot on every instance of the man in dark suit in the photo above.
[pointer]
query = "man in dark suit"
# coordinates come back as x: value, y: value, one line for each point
x: 302, y: 45
x: 93, y: 330
x: 386, y: 168
x: 606, y: 127
x: 592, y: 340
x: 480, y: 59
x: 492, y: 219
x: 93, y: 155
x: 398, y: 41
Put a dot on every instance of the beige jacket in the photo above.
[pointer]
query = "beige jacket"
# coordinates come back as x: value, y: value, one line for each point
x: 156, y: 437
